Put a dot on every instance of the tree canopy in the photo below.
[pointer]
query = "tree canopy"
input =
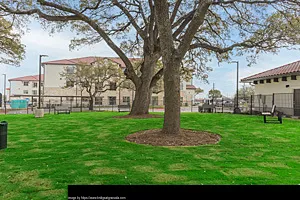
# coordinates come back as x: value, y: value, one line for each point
x: 11, y: 49
x: 221, y: 27
x: 97, y: 78
x: 214, y: 93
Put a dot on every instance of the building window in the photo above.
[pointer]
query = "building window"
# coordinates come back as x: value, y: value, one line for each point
x: 276, y: 80
x: 268, y: 80
x: 34, y: 100
x: 284, y: 78
x: 26, y: 83
x: 98, y: 101
x: 35, y: 85
x: 69, y: 83
x: 34, y: 92
x: 126, y: 100
x: 155, y: 101
x: 70, y: 70
x: 294, y: 77
x: 25, y: 91
x: 255, y: 82
x: 261, y: 81
x: 112, y: 85
x: 112, y: 100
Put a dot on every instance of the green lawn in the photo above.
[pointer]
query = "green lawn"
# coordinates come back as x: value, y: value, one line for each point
x: 45, y: 155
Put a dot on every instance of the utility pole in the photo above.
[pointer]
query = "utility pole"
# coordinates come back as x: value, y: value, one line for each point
x: 40, y: 78
x: 236, y: 107
x: 4, y: 93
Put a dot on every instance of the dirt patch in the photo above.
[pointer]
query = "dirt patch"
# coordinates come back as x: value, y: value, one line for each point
x: 184, y: 138
x: 145, y: 116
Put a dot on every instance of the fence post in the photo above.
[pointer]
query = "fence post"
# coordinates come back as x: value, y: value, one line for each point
x: 251, y: 99
x: 49, y: 106
x: 152, y: 106
x: 191, y: 105
x: 71, y: 104
x: 273, y: 99
x: 60, y: 101
x: 27, y: 107
x: 81, y: 104
x: 32, y: 103
x: 222, y: 105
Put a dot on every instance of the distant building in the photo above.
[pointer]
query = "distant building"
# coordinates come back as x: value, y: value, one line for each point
x: 23, y: 87
x: 283, y: 82
x: 54, y: 85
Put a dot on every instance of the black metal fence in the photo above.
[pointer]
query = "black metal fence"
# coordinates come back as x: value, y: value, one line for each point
x: 285, y: 103
x: 288, y: 103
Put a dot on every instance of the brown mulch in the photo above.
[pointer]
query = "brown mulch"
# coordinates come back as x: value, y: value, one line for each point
x: 184, y: 138
x: 145, y: 116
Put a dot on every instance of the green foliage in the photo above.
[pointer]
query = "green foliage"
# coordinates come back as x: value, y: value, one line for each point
x: 214, y: 93
x: 95, y: 78
x: 198, y: 91
x: 246, y: 91
x: 11, y: 49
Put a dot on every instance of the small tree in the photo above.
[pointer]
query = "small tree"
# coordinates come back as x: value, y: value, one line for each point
x: 11, y: 49
x: 214, y: 94
x: 95, y: 78
x: 245, y: 92
x: 198, y: 91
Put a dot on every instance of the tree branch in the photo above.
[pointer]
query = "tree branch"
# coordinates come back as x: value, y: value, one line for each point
x: 174, y: 13
x: 192, y: 29
x: 131, y: 19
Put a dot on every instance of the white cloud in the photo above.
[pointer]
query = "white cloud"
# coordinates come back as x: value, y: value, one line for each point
x: 38, y: 41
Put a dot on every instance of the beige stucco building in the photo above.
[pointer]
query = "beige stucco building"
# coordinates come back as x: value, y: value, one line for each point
x: 54, y: 86
x: 279, y: 86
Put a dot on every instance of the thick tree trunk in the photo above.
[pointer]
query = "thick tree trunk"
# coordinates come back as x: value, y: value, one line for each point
x: 141, y: 101
x: 172, y: 97
x: 143, y: 91
x: 91, y: 103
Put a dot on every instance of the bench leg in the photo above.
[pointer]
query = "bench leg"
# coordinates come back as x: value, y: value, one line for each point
x: 265, y: 119
x: 280, y: 119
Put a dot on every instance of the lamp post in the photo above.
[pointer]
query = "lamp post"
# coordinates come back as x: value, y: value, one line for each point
x: 40, y: 78
x: 236, y: 107
x: 4, y: 93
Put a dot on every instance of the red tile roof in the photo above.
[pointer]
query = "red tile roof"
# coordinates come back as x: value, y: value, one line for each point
x: 290, y: 68
x: 190, y: 87
x: 88, y: 60
x: 27, y: 78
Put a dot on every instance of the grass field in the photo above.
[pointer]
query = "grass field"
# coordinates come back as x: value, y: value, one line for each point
x: 45, y: 155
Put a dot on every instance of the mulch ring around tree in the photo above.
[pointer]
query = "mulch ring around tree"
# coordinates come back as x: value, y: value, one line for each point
x: 184, y: 138
x: 145, y: 116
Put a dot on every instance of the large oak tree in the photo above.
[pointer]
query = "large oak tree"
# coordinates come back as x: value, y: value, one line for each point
x: 178, y: 30
x: 223, y: 27
x: 131, y: 23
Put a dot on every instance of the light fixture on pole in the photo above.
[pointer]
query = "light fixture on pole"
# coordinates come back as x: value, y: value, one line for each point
x: 40, y: 78
x: 4, y: 92
x: 236, y: 107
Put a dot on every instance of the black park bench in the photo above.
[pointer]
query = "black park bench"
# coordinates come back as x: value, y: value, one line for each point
x: 62, y: 109
x: 272, y: 114
x: 124, y: 108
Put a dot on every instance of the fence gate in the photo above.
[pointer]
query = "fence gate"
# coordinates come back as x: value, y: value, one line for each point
x: 297, y: 102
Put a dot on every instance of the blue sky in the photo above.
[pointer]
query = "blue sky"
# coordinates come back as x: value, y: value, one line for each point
x: 38, y: 42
